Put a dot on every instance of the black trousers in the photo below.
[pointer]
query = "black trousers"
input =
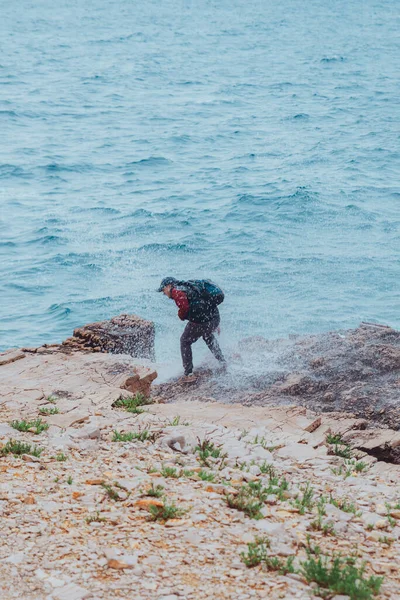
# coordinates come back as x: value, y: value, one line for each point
x: 193, y: 332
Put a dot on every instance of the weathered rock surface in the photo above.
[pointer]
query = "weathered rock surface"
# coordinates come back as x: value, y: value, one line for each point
x: 125, y: 334
x: 81, y: 382
x: 357, y: 371
x: 76, y: 525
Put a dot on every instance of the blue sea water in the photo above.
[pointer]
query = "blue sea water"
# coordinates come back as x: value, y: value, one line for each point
x: 249, y: 141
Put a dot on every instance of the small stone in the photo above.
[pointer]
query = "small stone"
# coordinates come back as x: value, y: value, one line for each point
x: 119, y: 565
x: 30, y: 458
x: 147, y: 502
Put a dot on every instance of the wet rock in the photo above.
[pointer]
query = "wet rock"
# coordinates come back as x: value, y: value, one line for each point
x: 125, y: 334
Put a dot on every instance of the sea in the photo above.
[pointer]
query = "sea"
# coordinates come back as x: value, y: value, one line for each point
x: 251, y: 142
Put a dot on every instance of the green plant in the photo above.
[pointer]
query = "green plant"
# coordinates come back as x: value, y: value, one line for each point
x: 392, y: 522
x: 187, y: 472
x: 342, y: 470
x: 257, y: 490
x: 340, y: 575
x: 345, y: 506
x: 165, y: 512
x: 132, y: 404
x: 95, y: 518
x: 342, y: 450
x: 273, y: 563
x: 53, y: 410
x: 207, y: 450
x: 256, y: 552
x: 326, y: 528
x: 52, y: 399
x: 246, y: 503
x: 69, y: 480
x: 384, y: 539
x: 268, y: 469
x: 305, y: 502
x: 334, y: 438
x: 111, y: 493
x: 143, y: 436
x: 37, y: 425
x: 18, y: 448
x: 155, y: 491
x: 169, y: 472
x: 361, y: 466
x: 122, y: 437
x: 61, y: 457
x: 206, y: 475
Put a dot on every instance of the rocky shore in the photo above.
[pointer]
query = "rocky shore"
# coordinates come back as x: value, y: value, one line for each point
x: 111, y: 488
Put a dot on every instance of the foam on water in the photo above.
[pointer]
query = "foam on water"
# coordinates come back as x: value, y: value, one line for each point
x: 251, y: 142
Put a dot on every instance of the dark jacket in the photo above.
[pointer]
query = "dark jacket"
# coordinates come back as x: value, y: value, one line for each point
x: 193, y: 304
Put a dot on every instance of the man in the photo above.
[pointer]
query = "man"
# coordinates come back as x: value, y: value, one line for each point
x: 197, y: 302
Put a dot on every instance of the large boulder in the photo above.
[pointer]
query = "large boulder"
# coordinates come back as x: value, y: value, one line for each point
x: 125, y: 334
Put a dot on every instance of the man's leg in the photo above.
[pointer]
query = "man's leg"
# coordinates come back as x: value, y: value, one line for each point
x: 211, y: 340
x: 191, y: 334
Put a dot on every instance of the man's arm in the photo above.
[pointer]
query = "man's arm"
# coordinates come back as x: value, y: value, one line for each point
x: 182, y: 302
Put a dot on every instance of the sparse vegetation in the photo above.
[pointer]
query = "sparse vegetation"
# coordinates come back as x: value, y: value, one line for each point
x: 69, y: 480
x: 245, y: 502
x: 256, y: 552
x: 95, y: 518
x: 170, y: 472
x: 274, y: 563
x: 344, y: 505
x: 268, y: 469
x: 122, y: 437
x: 384, y: 539
x: 206, y: 475
x: 18, y: 448
x: 165, y: 512
x: 208, y: 450
x: 154, y: 491
x: 339, y: 575
x: 188, y: 472
x: 111, y: 492
x: 305, y: 501
x: 52, y: 399
x: 61, y: 457
x: 132, y: 404
x: 52, y: 410
x: 334, y: 439
x: 38, y: 426
x: 342, y: 450
x: 177, y: 421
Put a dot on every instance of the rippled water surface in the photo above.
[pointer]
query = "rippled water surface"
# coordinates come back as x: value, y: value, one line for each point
x: 253, y: 142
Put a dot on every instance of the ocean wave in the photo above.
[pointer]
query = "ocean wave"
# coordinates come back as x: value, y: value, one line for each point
x: 152, y: 161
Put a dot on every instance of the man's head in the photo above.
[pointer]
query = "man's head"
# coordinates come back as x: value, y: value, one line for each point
x: 166, y: 285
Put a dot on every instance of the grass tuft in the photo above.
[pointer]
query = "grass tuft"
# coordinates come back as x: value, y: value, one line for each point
x: 154, y: 491
x: 37, y: 425
x: 53, y: 410
x: 18, y: 448
x: 132, y: 404
x: 256, y: 552
x: 340, y: 575
x: 245, y: 502
x: 305, y: 501
x: 206, y: 475
x: 165, y: 512
x: 122, y: 437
